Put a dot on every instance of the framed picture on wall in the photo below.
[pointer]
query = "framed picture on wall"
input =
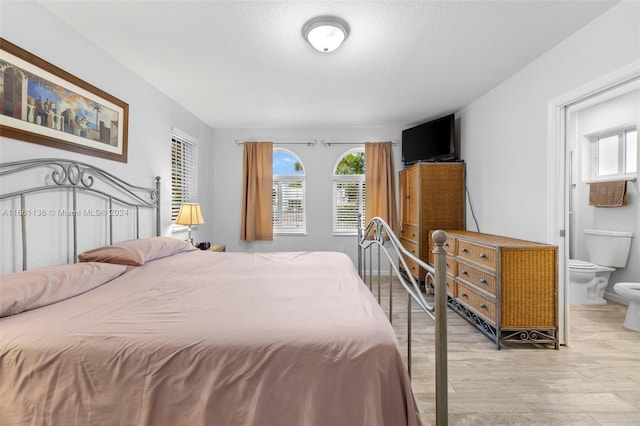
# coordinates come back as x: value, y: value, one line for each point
x: 43, y: 104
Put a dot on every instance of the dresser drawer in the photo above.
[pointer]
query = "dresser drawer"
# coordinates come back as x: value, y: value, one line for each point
x: 452, y: 266
x: 411, y: 265
x: 449, y: 246
x: 483, y: 280
x: 479, y: 303
x: 409, y: 233
x: 413, y: 268
x: 411, y: 247
x: 451, y: 286
x: 477, y: 253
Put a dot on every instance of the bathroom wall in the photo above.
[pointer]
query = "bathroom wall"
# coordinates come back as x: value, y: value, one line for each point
x: 621, y: 110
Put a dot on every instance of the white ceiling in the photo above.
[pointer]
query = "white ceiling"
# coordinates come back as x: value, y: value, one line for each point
x: 245, y: 63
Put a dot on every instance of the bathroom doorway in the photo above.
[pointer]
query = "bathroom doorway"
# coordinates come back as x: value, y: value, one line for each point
x: 575, y: 120
x: 607, y: 122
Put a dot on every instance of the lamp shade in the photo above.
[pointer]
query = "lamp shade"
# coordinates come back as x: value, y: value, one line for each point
x: 189, y: 214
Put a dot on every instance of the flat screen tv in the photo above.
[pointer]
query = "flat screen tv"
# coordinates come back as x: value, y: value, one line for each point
x: 431, y: 141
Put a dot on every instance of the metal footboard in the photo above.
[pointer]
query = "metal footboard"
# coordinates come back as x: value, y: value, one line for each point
x: 378, y: 237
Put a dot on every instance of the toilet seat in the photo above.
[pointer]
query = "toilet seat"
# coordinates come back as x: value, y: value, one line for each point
x: 581, y: 264
x: 629, y: 290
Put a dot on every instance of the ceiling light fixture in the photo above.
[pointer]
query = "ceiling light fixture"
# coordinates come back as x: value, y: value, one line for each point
x: 325, y: 33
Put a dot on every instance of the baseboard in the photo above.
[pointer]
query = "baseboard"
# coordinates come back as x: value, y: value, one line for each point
x: 614, y: 297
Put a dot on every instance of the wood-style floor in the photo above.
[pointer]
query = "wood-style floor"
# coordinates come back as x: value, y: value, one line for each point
x: 595, y: 380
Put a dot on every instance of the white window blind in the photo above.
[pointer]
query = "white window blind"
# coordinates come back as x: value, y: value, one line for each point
x: 348, y: 201
x: 184, y: 173
x: 288, y: 194
x: 349, y: 192
x: 288, y: 204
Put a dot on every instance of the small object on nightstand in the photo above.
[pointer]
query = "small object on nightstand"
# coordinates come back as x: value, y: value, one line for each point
x: 204, y: 246
x: 217, y: 247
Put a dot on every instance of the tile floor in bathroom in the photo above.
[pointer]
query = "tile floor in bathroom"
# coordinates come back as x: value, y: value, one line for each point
x: 595, y: 380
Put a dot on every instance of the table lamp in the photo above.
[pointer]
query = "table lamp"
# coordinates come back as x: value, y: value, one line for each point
x: 189, y: 215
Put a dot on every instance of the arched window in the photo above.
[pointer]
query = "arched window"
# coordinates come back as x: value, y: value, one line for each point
x: 288, y: 195
x: 348, y: 192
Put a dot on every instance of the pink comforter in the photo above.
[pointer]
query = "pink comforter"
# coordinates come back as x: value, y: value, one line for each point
x: 204, y: 338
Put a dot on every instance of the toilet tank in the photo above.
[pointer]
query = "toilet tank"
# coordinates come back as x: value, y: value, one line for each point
x: 608, y: 248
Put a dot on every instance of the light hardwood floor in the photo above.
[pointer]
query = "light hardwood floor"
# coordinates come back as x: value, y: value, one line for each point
x: 595, y: 380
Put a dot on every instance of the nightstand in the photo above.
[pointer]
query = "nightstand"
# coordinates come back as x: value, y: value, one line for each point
x: 217, y: 247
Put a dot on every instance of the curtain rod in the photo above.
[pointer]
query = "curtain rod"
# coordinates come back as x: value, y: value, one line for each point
x: 314, y: 142
x: 280, y: 142
x: 325, y: 143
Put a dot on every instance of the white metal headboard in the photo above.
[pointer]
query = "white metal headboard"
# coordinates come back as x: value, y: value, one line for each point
x: 77, y: 177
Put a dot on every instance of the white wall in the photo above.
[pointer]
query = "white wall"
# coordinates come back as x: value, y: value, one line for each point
x: 623, y: 110
x: 318, y: 162
x: 152, y: 115
x: 504, y: 133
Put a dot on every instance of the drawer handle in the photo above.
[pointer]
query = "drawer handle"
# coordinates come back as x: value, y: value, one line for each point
x: 465, y: 295
x: 483, y: 306
x: 413, y: 252
x: 465, y: 273
x: 413, y: 235
x: 446, y: 244
x: 465, y: 250
x: 483, y: 256
x: 483, y: 281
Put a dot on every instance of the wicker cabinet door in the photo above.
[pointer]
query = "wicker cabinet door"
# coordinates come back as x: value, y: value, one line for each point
x: 412, y: 196
x: 402, y: 196
x: 442, y: 196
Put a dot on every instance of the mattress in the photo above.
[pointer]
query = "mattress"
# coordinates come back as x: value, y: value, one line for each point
x: 207, y: 338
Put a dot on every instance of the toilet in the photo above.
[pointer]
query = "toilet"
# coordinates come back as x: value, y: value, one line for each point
x: 587, y: 282
x: 607, y: 250
x: 631, y: 292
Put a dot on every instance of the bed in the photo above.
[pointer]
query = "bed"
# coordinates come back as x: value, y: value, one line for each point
x: 151, y: 331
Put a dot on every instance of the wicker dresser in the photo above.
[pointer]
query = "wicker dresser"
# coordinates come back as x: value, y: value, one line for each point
x: 507, y: 288
x: 431, y: 197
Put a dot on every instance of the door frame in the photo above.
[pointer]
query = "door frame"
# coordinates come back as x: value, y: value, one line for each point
x: 558, y: 172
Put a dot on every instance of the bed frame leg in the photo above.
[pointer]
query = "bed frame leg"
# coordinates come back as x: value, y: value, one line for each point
x: 390, y: 294
x: 440, y: 296
x: 409, y: 336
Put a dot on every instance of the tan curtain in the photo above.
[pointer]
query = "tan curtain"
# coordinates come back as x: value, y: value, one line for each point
x: 379, y: 183
x: 257, y: 186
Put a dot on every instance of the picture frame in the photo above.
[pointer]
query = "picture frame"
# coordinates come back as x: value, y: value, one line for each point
x: 43, y: 104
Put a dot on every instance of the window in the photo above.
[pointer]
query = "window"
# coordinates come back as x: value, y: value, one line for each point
x: 349, y: 192
x: 288, y: 193
x: 616, y: 154
x: 184, y: 173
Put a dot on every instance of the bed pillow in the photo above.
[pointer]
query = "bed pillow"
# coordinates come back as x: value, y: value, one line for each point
x: 23, y: 291
x: 137, y: 252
